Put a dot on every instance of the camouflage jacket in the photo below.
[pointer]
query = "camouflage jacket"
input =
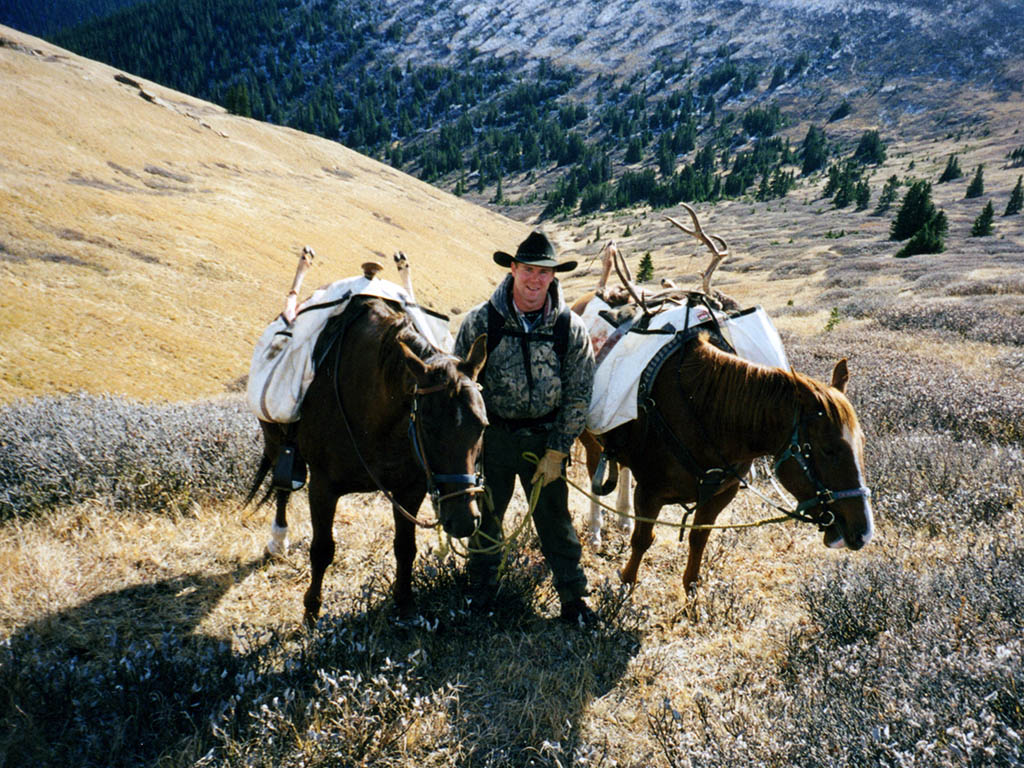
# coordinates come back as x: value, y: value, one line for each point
x: 563, y: 390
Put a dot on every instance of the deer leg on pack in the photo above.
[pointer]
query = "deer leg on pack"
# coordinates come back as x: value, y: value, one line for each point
x: 323, y: 500
x: 706, y: 514
x: 646, y: 508
x: 405, y: 553
x: 592, y: 448
x: 292, y: 299
x: 404, y: 274
x: 622, y: 504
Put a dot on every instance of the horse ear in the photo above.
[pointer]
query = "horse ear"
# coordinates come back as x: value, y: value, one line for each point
x: 476, y: 358
x: 840, y: 375
x: 416, y: 366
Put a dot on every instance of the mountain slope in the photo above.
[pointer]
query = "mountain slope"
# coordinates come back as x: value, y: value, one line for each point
x: 147, y: 237
x: 926, y: 37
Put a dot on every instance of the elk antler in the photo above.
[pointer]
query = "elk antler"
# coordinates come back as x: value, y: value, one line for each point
x: 607, y: 257
x: 718, y: 247
x: 622, y: 270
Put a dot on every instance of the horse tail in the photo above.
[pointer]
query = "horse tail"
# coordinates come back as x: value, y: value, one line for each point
x: 261, y: 474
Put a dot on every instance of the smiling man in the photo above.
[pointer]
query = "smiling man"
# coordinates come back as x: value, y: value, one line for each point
x: 536, y: 385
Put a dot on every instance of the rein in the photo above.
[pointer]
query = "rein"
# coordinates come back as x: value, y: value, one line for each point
x: 709, y: 480
x: 414, y: 429
x: 473, y: 483
x: 823, y: 496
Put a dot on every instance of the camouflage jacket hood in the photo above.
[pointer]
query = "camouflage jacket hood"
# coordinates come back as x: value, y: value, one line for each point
x: 563, y: 388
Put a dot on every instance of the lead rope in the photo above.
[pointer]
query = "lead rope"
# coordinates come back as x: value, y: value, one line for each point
x: 359, y: 454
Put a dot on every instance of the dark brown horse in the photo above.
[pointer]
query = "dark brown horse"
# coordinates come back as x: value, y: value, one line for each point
x: 705, y: 418
x: 385, y: 411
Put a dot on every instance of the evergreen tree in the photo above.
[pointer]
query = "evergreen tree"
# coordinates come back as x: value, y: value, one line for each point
x: 870, y: 149
x: 888, y: 196
x: 634, y: 152
x: 928, y: 239
x: 862, y: 195
x: 815, y: 150
x: 1016, y: 200
x: 917, y: 212
x: 646, y: 270
x: 840, y: 112
x: 983, y: 224
x: 977, y: 186
x: 952, y: 170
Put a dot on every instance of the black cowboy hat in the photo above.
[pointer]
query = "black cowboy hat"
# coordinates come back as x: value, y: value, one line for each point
x: 536, y: 250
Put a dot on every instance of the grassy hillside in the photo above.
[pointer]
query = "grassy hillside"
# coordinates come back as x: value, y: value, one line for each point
x: 146, y: 238
x: 144, y: 245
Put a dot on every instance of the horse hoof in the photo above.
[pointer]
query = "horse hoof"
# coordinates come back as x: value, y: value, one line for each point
x: 593, y: 539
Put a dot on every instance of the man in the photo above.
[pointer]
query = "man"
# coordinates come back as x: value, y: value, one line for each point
x: 536, y: 385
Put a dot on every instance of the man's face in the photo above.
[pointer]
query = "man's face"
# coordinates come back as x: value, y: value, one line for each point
x: 530, y: 285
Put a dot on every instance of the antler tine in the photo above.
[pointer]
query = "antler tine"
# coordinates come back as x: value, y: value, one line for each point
x: 717, y: 245
x: 607, y: 257
x: 623, y: 273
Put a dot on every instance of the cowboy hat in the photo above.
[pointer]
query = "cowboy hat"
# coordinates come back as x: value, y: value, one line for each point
x: 537, y: 251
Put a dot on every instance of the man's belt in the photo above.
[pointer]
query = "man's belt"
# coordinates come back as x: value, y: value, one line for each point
x: 538, y: 424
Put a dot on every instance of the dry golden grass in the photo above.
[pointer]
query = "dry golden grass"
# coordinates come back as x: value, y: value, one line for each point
x: 144, y: 246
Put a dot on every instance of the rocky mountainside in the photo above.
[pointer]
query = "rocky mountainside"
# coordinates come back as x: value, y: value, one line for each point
x: 961, y: 39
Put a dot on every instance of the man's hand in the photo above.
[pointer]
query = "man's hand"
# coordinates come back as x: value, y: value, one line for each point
x: 549, y: 468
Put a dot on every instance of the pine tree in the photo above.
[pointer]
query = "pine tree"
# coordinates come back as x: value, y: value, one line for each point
x: 952, y: 170
x: 862, y: 195
x: 888, y: 196
x: 977, y: 186
x: 870, y: 149
x: 916, y: 213
x: 1016, y: 199
x: 983, y: 224
x: 646, y: 269
x: 928, y: 239
x: 815, y: 150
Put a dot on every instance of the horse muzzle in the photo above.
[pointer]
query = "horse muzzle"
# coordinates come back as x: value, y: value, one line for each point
x: 852, y: 529
x: 459, y: 516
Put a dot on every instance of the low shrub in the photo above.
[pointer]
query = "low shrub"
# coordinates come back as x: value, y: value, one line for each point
x: 132, y: 456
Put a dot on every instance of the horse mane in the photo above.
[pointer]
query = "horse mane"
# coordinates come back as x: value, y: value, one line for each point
x: 396, y: 326
x: 729, y: 391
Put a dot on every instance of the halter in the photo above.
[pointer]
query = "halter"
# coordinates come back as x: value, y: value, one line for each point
x: 823, y: 496
x: 473, y: 483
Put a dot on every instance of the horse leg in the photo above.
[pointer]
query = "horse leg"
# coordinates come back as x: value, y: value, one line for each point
x: 278, y: 543
x: 622, y: 504
x: 705, y: 515
x: 647, y: 510
x: 405, y: 553
x: 323, y: 501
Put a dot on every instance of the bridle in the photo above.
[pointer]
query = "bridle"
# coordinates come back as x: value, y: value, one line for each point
x: 818, y: 508
x: 473, y: 484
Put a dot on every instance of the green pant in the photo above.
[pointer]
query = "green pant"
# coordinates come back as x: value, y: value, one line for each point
x: 503, y: 462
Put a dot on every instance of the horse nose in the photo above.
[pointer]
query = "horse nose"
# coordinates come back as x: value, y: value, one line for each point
x: 460, y: 520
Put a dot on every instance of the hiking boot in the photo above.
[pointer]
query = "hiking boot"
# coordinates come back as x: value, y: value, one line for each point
x: 578, y: 612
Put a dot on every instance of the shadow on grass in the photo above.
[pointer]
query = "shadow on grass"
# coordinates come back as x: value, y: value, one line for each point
x: 125, y: 679
x: 117, y: 680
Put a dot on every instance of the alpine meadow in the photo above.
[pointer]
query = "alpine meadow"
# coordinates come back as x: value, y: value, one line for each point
x: 164, y: 163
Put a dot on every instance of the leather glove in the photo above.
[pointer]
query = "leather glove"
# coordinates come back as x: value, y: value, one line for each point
x: 549, y: 468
